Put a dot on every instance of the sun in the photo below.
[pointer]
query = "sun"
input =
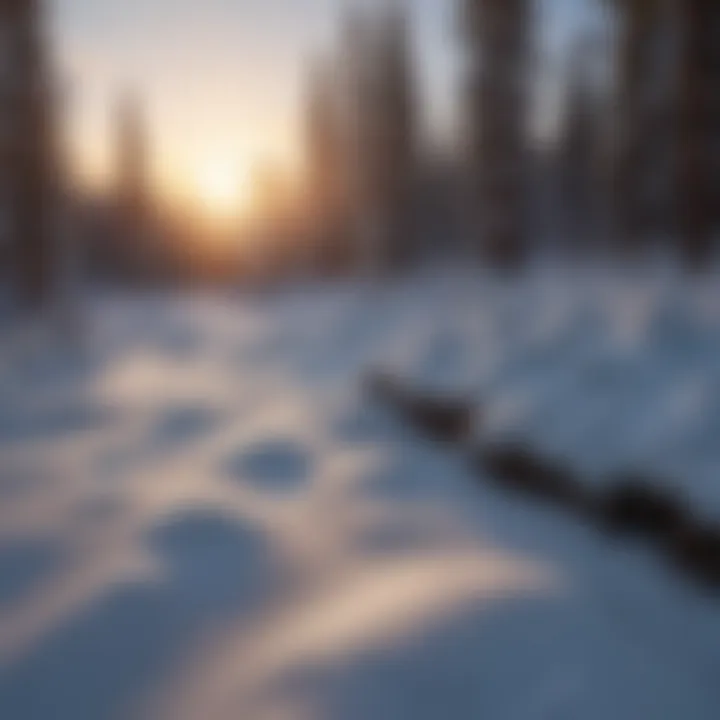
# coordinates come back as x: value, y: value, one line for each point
x: 222, y: 188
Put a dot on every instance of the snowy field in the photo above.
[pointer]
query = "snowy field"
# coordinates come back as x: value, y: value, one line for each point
x: 201, y: 518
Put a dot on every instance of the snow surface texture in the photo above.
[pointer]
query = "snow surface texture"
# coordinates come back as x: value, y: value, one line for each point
x: 202, y: 518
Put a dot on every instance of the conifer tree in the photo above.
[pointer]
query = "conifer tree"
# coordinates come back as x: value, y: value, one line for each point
x: 28, y: 146
x: 497, y: 38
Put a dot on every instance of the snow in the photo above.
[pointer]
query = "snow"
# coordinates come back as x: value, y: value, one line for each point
x: 202, y: 517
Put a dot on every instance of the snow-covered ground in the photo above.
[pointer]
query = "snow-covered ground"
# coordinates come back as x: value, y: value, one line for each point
x: 201, y: 518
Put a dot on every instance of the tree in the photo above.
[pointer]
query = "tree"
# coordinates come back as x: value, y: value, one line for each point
x: 583, y: 142
x: 578, y: 145
x: 396, y: 135
x: 379, y: 135
x: 132, y: 249
x: 28, y: 148
x: 687, y: 68
x: 699, y: 127
x: 325, y: 167
x: 132, y: 192
x: 646, y: 103
x: 498, y: 43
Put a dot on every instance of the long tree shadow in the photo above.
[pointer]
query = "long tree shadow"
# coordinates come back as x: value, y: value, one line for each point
x: 55, y: 423
x: 107, y: 656
x: 513, y: 657
x: 24, y: 565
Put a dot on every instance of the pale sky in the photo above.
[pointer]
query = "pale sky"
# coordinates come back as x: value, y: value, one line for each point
x: 222, y: 79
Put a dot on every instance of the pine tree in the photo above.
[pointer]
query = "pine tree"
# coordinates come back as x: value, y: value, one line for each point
x: 692, y: 73
x: 498, y: 44
x: 358, y: 107
x: 28, y: 148
x: 379, y: 135
x: 396, y: 135
x: 644, y: 97
x: 582, y: 145
x: 325, y: 171
x: 132, y: 197
x: 131, y: 159
x: 699, y: 126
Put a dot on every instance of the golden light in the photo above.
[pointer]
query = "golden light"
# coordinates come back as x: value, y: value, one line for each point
x: 223, y: 188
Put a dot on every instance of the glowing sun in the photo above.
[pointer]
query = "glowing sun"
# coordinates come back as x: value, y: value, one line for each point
x: 222, y: 188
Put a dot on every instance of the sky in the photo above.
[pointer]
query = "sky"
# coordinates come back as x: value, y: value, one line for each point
x: 221, y: 80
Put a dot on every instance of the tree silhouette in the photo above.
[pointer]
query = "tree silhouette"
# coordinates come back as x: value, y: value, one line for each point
x: 498, y: 44
x: 687, y: 68
x: 28, y: 148
x: 380, y: 134
x: 132, y: 252
x: 396, y: 135
x: 579, y: 150
x: 326, y: 174
x: 699, y: 127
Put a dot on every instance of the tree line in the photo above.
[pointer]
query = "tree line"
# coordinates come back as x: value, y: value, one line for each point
x: 635, y: 155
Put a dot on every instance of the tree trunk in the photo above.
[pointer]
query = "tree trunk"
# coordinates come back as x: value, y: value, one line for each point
x: 30, y: 157
x: 498, y: 40
x: 633, y: 67
x: 698, y: 127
